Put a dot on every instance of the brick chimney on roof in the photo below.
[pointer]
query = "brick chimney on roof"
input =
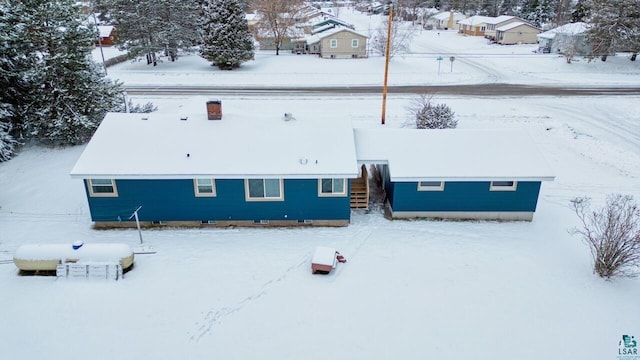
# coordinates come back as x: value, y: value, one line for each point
x: 214, y: 110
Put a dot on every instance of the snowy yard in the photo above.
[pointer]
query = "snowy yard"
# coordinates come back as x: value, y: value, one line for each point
x: 410, y: 289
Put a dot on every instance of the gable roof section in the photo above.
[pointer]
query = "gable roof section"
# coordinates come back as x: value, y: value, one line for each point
x: 127, y: 147
x: 315, y: 38
x: 514, y: 25
x: 569, y: 29
x: 499, y: 19
x: 475, y: 20
x: 453, y: 155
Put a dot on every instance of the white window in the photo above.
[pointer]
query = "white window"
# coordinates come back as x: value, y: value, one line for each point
x: 204, y: 187
x: 333, y: 43
x: 503, y: 186
x: 430, y: 185
x: 332, y: 187
x: 354, y: 43
x: 263, y: 190
x: 102, y: 187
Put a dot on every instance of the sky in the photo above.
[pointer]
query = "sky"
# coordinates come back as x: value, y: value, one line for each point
x: 409, y: 289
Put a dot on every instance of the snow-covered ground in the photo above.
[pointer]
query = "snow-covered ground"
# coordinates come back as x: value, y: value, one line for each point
x: 410, y: 289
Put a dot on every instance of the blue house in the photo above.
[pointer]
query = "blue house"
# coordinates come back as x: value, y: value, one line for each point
x: 192, y: 171
x: 455, y: 174
x: 237, y: 171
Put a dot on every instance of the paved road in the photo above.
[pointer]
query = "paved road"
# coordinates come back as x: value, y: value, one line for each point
x: 488, y: 90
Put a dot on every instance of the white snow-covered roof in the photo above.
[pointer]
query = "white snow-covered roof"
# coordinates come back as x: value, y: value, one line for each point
x: 336, y: 30
x: 105, y: 30
x: 570, y: 29
x: 166, y: 147
x: 475, y: 20
x: 514, y: 25
x: 498, y: 19
x: 453, y: 155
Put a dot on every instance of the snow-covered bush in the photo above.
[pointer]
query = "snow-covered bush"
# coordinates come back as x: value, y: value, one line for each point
x: 612, y: 233
x: 7, y: 142
x: 432, y: 116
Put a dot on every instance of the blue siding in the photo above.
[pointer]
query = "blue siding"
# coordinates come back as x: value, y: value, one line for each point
x: 464, y: 196
x: 174, y: 200
x: 460, y: 196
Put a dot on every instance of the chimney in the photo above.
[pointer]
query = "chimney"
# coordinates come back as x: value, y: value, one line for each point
x: 214, y: 110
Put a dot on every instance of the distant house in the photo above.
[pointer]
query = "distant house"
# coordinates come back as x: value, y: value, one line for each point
x: 568, y: 37
x: 494, y: 23
x: 456, y: 174
x: 445, y: 20
x: 475, y: 25
x: 188, y: 170
x: 517, y: 33
x: 108, y: 35
x: 336, y: 43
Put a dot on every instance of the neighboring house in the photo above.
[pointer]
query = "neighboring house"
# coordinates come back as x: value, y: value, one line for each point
x: 336, y: 43
x: 445, y: 20
x: 456, y: 174
x: 568, y: 37
x: 496, y: 22
x: 181, y: 170
x: 475, y: 25
x: 234, y: 171
x: 517, y: 33
x: 108, y: 35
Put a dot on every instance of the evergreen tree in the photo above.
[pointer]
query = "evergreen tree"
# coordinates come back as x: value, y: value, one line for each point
x: 538, y: 12
x: 227, y: 41
x: 614, y: 25
x: 148, y: 27
x: 432, y: 116
x: 62, y: 94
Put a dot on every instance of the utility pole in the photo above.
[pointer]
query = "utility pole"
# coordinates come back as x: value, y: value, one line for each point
x: 386, y: 65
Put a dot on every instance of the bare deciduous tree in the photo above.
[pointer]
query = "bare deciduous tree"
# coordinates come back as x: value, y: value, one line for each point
x: 277, y: 19
x: 401, y: 36
x: 612, y: 234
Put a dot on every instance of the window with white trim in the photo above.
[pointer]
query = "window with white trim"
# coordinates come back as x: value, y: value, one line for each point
x: 430, y: 185
x: 102, y: 187
x: 204, y: 187
x: 333, y: 43
x: 332, y: 187
x: 354, y: 43
x: 264, y: 189
x: 503, y: 186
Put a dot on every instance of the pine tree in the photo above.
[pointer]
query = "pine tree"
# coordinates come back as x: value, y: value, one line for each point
x: 227, y: 41
x: 614, y: 25
x: 432, y: 116
x: 63, y: 94
x: 148, y: 27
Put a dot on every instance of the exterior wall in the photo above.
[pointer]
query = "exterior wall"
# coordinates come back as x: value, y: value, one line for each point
x: 564, y: 42
x: 270, y: 44
x: 519, y: 35
x: 461, y: 199
x: 490, y: 33
x: 473, y: 30
x: 344, y: 49
x: 175, y: 201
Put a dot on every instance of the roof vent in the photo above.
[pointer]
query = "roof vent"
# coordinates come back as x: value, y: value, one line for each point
x: 184, y: 118
x: 288, y: 117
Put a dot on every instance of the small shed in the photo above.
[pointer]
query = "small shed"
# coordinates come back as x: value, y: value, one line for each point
x: 107, y: 35
x: 325, y: 260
